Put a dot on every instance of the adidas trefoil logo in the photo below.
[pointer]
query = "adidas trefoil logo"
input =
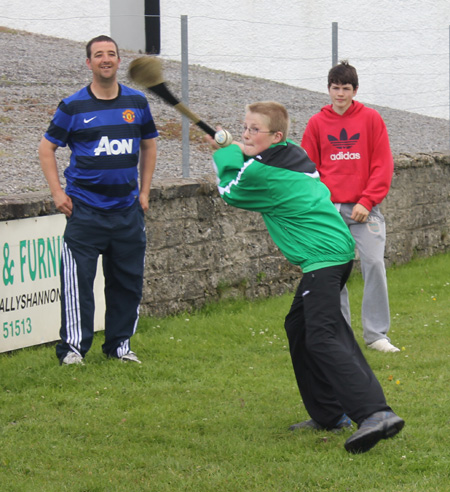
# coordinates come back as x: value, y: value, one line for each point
x: 343, y: 142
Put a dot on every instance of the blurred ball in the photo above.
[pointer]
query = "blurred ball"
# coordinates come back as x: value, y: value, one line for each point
x: 223, y: 138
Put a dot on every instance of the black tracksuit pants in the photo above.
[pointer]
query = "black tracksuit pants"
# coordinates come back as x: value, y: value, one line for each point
x: 332, y: 374
x: 119, y: 236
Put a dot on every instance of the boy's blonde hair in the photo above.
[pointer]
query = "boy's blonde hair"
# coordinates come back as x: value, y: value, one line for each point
x: 276, y: 113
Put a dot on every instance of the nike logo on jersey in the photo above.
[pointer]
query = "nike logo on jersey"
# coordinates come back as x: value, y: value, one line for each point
x: 90, y: 119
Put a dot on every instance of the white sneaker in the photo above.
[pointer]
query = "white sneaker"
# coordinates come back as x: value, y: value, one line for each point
x: 383, y: 345
x: 72, y: 358
x: 130, y: 357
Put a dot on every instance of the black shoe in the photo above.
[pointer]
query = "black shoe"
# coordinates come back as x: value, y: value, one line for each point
x: 344, y: 423
x: 380, y: 425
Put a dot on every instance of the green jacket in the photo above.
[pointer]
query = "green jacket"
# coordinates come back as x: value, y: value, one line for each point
x: 283, y: 185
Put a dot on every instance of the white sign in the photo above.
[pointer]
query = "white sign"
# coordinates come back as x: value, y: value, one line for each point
x: 30, y: 291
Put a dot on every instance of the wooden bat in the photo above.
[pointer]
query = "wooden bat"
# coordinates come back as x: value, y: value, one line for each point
x: 147, y: 72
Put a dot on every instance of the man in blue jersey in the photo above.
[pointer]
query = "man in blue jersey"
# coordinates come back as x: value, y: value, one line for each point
x: 110, y: 131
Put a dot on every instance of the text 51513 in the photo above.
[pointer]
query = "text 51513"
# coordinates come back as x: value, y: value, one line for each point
x: 17, y: 328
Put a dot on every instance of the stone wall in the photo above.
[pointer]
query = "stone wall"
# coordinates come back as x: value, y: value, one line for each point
x: 417, y: 208
x: 200, y: 249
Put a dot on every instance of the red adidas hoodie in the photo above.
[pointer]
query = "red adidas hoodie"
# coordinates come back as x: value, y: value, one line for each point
x: 352, y: 154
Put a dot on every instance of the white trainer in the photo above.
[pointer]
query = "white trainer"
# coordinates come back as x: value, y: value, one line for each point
x: 383, y: 345
x: 130, y: 357
x: 72, y: 358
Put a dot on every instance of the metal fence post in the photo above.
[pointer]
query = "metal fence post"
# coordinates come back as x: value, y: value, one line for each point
x: 334, y: 44
x: 185, y: 124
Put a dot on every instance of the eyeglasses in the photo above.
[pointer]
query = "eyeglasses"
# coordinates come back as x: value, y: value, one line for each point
x: 254, y: 131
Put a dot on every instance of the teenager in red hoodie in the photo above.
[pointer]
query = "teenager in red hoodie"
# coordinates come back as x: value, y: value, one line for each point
x: 350, y: 145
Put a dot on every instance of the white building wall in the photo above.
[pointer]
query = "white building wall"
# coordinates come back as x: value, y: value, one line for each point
x: 78, y: 20
x: 399, y: 47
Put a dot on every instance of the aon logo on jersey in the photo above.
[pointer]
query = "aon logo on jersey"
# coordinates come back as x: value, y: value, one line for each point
x: 114, y: 147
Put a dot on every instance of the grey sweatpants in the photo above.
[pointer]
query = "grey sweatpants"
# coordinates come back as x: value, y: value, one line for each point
x: 370, y: 238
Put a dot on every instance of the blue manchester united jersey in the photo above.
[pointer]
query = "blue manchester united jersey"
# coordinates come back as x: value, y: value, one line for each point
x: 104, y: 137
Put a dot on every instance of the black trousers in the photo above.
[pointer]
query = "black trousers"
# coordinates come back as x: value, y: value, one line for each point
x: 119, y: 236
x: 332, y: 374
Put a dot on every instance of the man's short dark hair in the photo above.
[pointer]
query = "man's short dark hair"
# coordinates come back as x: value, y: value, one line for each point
x: 97, y: 40
x: 343, y: 74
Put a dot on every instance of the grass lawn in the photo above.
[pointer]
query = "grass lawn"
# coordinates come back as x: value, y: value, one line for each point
x: 209, y: 408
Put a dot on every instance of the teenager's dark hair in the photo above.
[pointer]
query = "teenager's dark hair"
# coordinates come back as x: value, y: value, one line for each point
x: 97, y: 40
x: 343, y: 73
